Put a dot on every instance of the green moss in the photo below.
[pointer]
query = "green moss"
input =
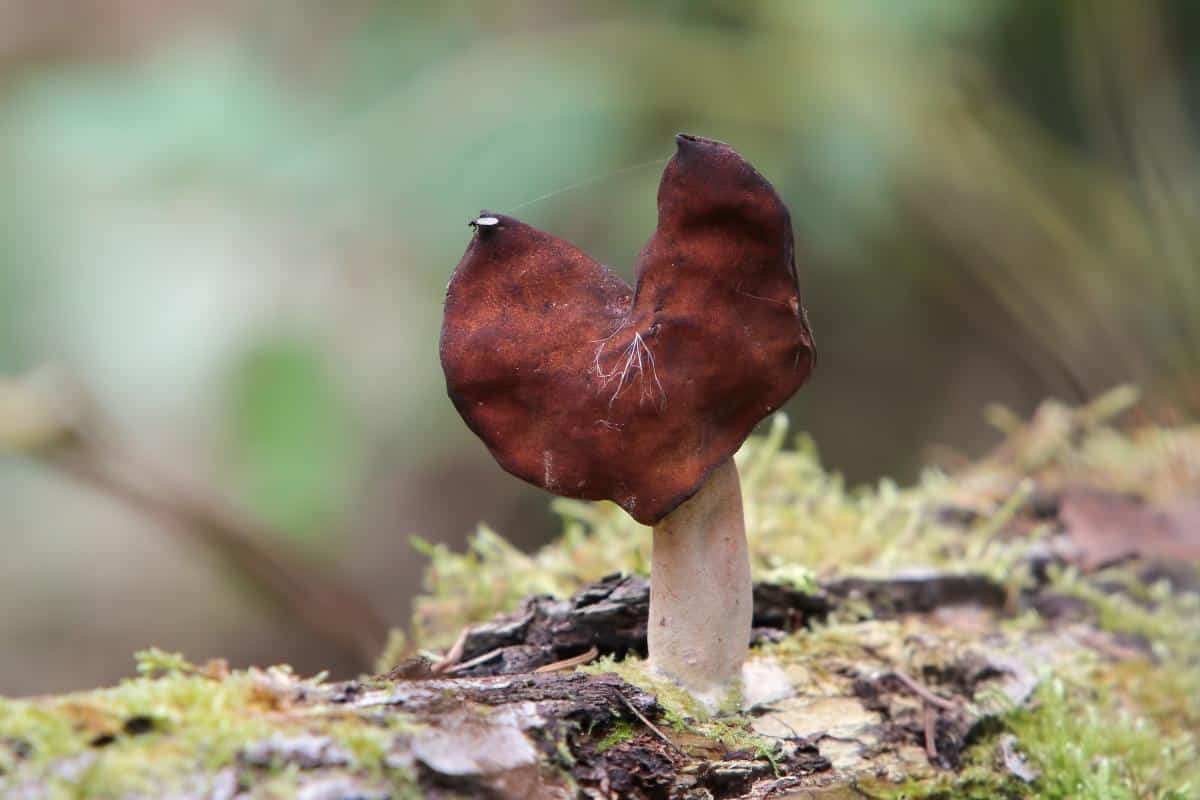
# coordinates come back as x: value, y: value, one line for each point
x: 682, y: 713
x: 283, y: 783
x: 195, y: 721
x: 1100, y: 728
x: 196, y: 724
x: 1085, y: 744
x: 154, y: 662
x: 622, y: 731
x: 1124, y: 604
x: 566, y: 759
x: 677, y: 704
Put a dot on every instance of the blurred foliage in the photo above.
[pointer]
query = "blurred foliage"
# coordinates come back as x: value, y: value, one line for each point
x: 290, y: 439
x: 1020, y: 170
x: 994, y: 200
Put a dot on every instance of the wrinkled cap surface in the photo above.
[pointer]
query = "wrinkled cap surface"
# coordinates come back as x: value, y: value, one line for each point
x: 591, y: 389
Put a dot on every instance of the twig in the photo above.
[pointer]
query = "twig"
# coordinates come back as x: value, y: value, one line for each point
x: 930, y: 737
x: 795, y: 737
x: 648, y: 723
x: 573, y: 661
x: 925, y: 694
x: 329, y: 609
x: 474, y: 662
x: 454, y: 654
x: 87, y: 448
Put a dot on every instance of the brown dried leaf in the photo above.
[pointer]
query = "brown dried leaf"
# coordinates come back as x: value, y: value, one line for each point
x: 1107, y: 528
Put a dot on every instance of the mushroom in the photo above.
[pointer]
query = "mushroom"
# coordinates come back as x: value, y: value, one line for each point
x: 591, y: 389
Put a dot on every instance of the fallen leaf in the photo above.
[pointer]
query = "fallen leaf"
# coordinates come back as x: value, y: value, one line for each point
x: 1107, y: 528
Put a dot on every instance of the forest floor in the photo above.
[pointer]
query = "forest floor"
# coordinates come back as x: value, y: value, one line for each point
x: 1024, y: 626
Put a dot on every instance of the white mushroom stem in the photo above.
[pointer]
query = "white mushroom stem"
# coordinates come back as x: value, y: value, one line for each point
x: 700, y: 592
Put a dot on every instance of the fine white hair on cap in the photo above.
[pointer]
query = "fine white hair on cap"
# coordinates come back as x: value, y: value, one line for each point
x: 488, y: 221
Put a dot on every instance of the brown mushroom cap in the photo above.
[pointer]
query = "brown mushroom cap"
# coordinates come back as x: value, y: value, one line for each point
x: 590, y: 389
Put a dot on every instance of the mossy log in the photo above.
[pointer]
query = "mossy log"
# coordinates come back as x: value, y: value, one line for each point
x: 1025, y: 626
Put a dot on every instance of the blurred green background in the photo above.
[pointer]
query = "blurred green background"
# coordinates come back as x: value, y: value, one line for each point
x: 233, y: 222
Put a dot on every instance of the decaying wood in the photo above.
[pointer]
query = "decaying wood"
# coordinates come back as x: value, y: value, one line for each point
x: 610, y: 615
x: 497, y: 727
x: 852, y: 684
x: 504, y: 730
